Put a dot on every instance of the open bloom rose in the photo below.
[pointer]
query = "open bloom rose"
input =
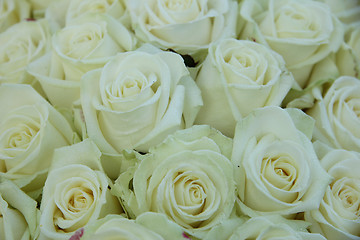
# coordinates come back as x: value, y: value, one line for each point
x: 12, y: 12
x: 18, y: 213
x: 338, y: 216
x: 87, y: 43
x: 273, y: 227
x: 184, y: 26
x: 276, y: 168
x: 344, y: 62
x: 188, y: 178
x: 236, y: 77
x: 21, y: 44
x: 115, y: 226
x: 30, y: 130
x: 337, y: 115
x: 76, y: 192
x: 303, y: 32
x: 61, y: 12
x: 137, y: 99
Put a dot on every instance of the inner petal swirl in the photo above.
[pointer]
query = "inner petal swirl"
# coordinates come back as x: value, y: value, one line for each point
x: 190, y: 193
x: 279, y: 171
x: 347, y: 195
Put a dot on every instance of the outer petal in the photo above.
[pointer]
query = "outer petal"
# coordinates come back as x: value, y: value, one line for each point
x: 274, y: 227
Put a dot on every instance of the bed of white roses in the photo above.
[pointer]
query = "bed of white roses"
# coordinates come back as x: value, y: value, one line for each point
x: 170, y: 119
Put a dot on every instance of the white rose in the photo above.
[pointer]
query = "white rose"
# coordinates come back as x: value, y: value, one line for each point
x: 137, y: 99
x: 273, y: 227
x: 236, y: 77
x: 30, y: 129
x: 336, y: 113
x: 85, y: 44
x: 116, y: 227
x: 76, y: 192
x: 338, y: 216
x: 341, y: 63
x: 60, y: 13
x: 188, y: 178
x: 303, y: 32
x: 347, y: 11
x: 18, y: 213
x: 12, y: 12
x: 184, y: 26
x: 276, y: 168
x: 345, y: 62
x: 21, y: 44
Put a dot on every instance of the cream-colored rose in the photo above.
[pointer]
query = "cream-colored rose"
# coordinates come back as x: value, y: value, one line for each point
x: 21, y: 44
x: 116, y: 227
x: 30, y: 130
x: 188, y: 178
x: 347, y: 11
x: 336, y: 112
x: 236, y: 77
x: 62, y: 12
x: 338, y: 216
x: 276, y: 168
x: 302, y: 32
x: 12, y: 12
x: 76, y: 192
x: 274, y: 227
x: 344, y: 62
x: 137, y: 99
x: 19, y: 216
x: 85, y: 44
x: 184, y: 26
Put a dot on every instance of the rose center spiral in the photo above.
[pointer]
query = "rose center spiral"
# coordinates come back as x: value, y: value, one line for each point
x: 189, y: 193
x: 347, y: 191
x: 279, y: 171
x: 15, y: 52
x: 81, y: 199
x: 18, y: 131
x: 22, y: 137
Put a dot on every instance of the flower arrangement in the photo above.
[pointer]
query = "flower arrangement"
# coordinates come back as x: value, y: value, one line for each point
x: 168, y: 119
